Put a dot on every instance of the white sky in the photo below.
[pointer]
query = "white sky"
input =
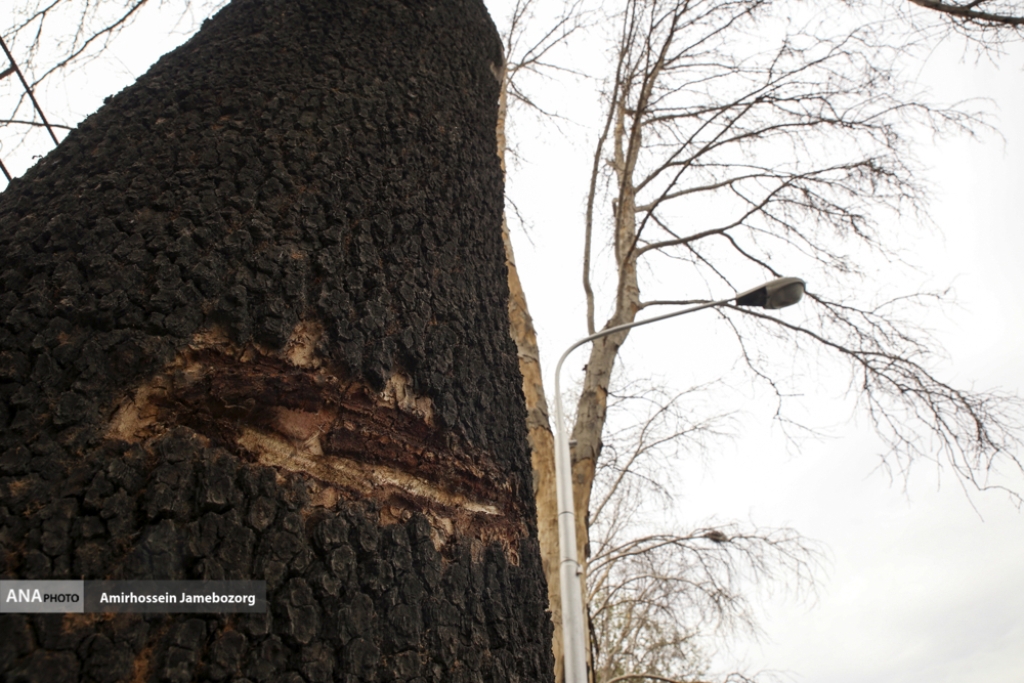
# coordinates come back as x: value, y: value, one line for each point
x: 922, y: 588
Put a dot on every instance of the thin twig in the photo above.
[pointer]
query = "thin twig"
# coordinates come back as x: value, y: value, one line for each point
x: 28, y: 90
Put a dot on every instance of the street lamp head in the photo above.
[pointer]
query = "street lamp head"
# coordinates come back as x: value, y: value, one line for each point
x: 779, y: 293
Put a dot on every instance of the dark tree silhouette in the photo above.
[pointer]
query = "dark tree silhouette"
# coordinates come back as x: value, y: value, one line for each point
x: 254, y: 326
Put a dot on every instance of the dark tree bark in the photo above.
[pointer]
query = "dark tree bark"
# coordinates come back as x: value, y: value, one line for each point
x: 254, y: 326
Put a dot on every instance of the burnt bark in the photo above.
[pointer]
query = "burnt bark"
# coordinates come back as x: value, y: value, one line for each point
x: 254, y: 325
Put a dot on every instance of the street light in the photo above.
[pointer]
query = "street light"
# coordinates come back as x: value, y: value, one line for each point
x: 779, y: 293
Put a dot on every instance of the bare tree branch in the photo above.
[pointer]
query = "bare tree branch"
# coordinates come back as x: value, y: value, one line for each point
x: 975, y: 431
x: 968, y: 14
x: 656, y: 595
x: 733, y: 160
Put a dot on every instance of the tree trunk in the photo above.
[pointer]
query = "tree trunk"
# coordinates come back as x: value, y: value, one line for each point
x: 538, y: 424
x: 255, y: 326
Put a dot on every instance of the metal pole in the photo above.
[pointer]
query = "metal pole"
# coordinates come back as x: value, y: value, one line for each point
x: 573, y: 623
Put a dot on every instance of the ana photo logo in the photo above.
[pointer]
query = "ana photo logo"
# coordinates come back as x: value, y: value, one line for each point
x: 42, y: 596
x: 35, y: 595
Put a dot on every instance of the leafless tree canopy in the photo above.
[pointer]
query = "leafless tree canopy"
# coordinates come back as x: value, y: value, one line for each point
x: 54, y: 35
x: 658, y: 591
x: 741, y: 141
x: 796, y: 151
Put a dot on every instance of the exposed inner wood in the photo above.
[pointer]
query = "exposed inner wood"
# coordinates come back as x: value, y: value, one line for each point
x: 539, y: 435
x: 289, y: 411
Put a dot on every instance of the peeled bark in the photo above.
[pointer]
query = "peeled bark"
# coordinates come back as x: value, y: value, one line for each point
x: 255, y: 326
x: 540, y: 437
x: 542, y: 451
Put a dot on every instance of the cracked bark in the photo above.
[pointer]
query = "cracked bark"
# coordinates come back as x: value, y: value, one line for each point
x: 254, y: 325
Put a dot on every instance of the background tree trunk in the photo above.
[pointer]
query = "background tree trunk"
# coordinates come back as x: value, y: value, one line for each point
x: 255, y: 326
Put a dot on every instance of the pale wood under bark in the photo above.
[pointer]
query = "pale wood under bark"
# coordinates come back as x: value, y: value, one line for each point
x: 541, y: 440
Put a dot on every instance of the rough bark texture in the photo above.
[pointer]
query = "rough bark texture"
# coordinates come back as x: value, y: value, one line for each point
x: 254, y: 325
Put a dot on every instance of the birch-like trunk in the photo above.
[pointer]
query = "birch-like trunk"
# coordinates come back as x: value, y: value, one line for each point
x: 592, y: 408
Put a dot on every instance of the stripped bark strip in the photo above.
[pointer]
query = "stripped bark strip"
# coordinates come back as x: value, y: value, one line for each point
x: 541, y: 440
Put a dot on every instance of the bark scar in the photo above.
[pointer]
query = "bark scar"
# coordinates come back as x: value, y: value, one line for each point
x: 288, y: 410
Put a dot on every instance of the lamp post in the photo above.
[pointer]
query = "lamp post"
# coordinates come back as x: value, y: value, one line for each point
x: 778, y: 293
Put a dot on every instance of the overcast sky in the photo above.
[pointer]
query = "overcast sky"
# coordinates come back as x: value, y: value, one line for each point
x: 924, y: 583
x: 924, y: 587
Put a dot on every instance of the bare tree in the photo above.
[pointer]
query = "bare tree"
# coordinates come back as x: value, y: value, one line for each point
x: 657, y: 592
x: 733, y: 142
x: 730, y: 162
x: 529, y: 53
x: 735, y: 139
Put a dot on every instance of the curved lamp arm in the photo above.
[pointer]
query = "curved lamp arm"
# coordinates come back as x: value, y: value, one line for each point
x: 777, y: 293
